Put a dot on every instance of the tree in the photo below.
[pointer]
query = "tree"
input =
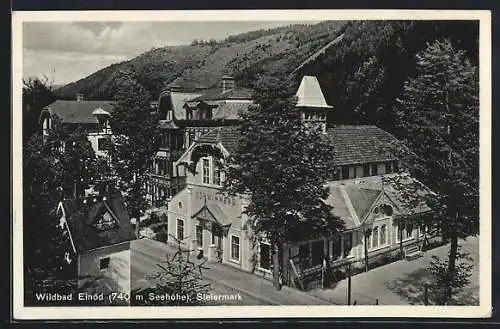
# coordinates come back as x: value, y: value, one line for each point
x: 179, y: 276
x: 444, y: 280
x: 282, y: 167
x: 135, y: 143
x: 50, y: 167
x: 438, y: 118
x: 37, y: 94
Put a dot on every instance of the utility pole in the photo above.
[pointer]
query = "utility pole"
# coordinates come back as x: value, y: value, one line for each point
x: 349, y: 284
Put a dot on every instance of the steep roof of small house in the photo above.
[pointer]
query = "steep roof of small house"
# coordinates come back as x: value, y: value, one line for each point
x: 357, y: 144
x: 309, y: 93
x: 82, y: 217
x: 228, y: 136
x: 79, y: 111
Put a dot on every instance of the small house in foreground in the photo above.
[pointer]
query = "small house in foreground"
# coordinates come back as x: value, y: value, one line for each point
x: 100, y: 233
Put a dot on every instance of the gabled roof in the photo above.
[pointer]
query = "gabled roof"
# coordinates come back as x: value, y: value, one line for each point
x: 352, y: 200
x: 212, y: 212
x: 351, y: 203
x: 228, y: 136
x: 81, y: 218
x: 309, y: 93
x: 357, y: 144
x: 79, y: 111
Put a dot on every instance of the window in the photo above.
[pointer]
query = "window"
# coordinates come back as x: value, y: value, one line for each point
x: 103, y: 263
x: 366, y: 170
x: 317, y: 252
x: 104, y: 221
x: 383, y: 235
x: 199, y: 235
x: 395, y: 166
x: 345, y: 172
x: 374, y: 169
x: 336, y: 174
x: 375, y: 237
x: 189, y: 114
x: 216, y: 174
x: 265, y: 256
x: 369, y: 240
x: 304, y: 255
x: 208, y: 114
x: 388, y: 167
x: 180, y: 229
x: 347, y: 244
x: 336, y: 247
x: 191, y: 138
x: 235, y: 247
x: 206, y: 171
x: 409, y: 230
x: 103, y: 144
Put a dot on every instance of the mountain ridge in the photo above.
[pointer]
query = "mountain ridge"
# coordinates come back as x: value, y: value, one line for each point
x: 276, y: 50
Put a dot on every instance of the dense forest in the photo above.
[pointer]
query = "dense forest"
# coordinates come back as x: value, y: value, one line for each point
x: 363, y: 75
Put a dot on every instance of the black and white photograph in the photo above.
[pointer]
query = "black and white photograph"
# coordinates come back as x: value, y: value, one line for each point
x: 330, y: 163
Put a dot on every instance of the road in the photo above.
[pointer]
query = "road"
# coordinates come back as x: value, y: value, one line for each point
x: 146, y: 254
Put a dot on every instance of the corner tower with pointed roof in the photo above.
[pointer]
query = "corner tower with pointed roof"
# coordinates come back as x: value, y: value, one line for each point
x: 312, y: 103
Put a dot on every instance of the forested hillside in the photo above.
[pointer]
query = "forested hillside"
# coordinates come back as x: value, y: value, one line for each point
x: 277, y: 50
x: 363, y: 75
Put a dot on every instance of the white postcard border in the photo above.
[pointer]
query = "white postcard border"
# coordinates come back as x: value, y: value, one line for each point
x: 20, y: 312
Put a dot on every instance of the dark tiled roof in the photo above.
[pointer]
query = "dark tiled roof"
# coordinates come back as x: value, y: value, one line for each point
x: 353, y: 144
x: 217, y: 94
x: 229, y: 110
x: 78, y: 111
x: 361, y: 144
x: 81, y: 219
x: 227, y: 135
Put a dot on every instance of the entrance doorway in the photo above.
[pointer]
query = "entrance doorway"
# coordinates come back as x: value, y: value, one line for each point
x: 217, y: 238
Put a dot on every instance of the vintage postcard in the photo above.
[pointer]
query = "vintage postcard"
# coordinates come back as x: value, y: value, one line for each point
x: 251, y: 164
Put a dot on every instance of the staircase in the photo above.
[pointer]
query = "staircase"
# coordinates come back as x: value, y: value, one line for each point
x: 412, y: 252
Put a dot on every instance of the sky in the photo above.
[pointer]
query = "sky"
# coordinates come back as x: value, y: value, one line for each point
x: 68, y: 51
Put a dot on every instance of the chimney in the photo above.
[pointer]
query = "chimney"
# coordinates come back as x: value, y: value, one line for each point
x: 79, y: 97
x: 227, y: 83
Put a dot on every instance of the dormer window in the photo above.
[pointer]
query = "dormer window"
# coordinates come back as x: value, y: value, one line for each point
x: 208, y: 114
x: 104, y: 222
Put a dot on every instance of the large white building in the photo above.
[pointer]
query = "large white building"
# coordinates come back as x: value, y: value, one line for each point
x: 215, y: 224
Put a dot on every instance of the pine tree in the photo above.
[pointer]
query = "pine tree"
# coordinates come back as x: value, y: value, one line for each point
x: 444, y: 280
x: 60, y: 166
x: 282, y: 166
x: 136, y: 132
x: 438, y: 118
x: 179, y: 276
